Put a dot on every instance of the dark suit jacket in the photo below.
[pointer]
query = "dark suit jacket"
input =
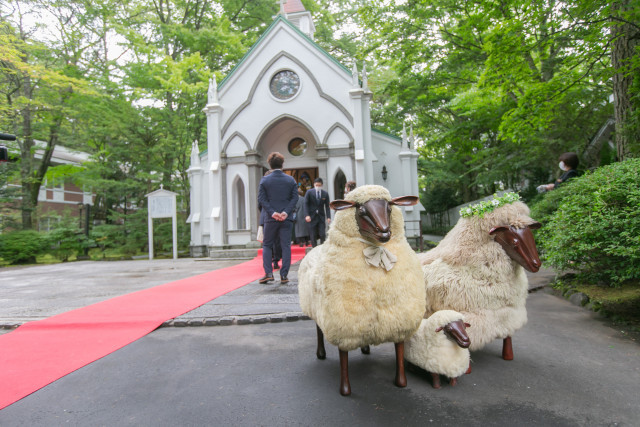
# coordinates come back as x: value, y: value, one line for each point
x: 571, y: 173
x: 277, y: 192
x: 317, y: 208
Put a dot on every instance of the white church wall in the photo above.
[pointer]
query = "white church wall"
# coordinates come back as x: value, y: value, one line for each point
x: 235, y: 173
x: 337, y: 137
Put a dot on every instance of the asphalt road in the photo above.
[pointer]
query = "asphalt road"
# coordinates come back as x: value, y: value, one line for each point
x: 570, y: 368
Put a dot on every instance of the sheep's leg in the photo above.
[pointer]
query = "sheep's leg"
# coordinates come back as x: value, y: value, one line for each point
x: 345, y: 387
x: 507, y: 349
x: 320, y: 352
x: 453, y: 381
x: 401, y: 379
x: 468, y: 370
x: 436, y: 380
x: 365, y: 350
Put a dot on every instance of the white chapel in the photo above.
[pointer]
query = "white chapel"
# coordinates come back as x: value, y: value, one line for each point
x: 289, y: 95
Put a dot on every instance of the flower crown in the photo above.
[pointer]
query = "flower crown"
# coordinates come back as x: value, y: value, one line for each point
x: 479, y: 209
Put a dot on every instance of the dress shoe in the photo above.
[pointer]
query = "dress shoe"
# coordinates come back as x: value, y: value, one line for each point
x: 266, y: 279
x: 276, y: 266
x: 284, y: 280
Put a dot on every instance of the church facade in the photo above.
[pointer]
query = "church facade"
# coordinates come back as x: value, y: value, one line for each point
x: 289, y: 95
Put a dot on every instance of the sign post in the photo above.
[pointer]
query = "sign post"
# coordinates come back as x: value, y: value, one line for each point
x: 162, y: 204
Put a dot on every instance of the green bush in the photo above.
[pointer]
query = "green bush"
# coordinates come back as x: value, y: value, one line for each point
x: 65, y: 242
x: 592, y: 224
x: 22, y: 247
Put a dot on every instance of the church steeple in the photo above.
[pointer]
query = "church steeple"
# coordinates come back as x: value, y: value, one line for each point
x: 295, y: 12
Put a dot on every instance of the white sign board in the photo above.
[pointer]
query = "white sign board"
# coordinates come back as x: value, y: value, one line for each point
x: 162, y: 204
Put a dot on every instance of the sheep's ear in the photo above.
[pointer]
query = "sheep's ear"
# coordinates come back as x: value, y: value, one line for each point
x: 339, y: 205
x: 440, y: 328
x: 495, y: 230
x: 404, y: 201
x: 466, y: 325
x: 535, y: 225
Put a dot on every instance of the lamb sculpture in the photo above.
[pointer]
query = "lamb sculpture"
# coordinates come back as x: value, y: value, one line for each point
x: 364, y: 285
x: 440, y: 346
x: 477, y: 270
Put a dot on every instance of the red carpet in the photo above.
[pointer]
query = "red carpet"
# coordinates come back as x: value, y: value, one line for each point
x: 38, y: 353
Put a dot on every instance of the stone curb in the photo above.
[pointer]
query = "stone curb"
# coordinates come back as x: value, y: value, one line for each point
x: 213, y: 321
x: 235, y: 320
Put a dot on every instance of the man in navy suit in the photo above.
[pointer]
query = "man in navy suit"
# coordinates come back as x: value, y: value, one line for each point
x: 316, y: 202
x: 278, y: 195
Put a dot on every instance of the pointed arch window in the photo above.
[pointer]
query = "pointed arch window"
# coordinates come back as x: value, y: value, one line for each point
x: 239, y: 205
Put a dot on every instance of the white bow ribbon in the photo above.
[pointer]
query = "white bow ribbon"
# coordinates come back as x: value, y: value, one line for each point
x: 378, y: 256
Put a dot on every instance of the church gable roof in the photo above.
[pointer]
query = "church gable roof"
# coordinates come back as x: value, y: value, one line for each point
x: 279, y: 20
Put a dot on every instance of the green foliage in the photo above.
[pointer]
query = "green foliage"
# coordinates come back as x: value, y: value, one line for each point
x: 21, y: 247
x: 66, y: 242
x: 592, y: 224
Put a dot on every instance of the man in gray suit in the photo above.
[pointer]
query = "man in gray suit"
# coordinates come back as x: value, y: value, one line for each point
x: 316, y: 203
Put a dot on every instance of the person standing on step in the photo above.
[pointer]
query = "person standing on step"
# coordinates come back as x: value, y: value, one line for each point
x: 316, y: 203
x: 300, y: 227
x: 278, y: 194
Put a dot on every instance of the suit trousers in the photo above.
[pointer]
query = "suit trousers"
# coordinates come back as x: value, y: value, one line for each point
x: 273, y: 229
x: 317, y: 229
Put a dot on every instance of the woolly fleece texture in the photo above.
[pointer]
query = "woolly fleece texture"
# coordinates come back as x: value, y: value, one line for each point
x: 433, y: 351
x: 356, y: 304
x: 469, y: 272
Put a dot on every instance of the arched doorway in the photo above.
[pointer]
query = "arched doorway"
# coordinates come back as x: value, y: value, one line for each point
x: 339, y: 182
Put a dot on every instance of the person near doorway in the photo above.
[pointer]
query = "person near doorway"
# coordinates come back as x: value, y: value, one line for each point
x: 300, y: 227
x: 278, y: 195
x: 349, y: 186
x: 316, y: 203
x: 276, y: 247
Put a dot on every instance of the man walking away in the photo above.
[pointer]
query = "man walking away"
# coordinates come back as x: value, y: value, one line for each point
x: 278, y: 194
x: 316, y: 203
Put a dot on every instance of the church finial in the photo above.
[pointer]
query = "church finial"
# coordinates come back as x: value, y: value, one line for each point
x: 365, y: 81
x: 212, y: 93
x: 281, y: 3
x: 411, y: 138
x: 354, y: 74
x: 404, y: 135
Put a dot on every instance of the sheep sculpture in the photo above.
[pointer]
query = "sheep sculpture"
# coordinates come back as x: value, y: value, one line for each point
x: 478, y: 269
x: 364, y: 285
x: 440, y: 346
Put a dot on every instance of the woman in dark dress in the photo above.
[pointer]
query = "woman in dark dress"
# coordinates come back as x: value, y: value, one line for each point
x: 568, y: 163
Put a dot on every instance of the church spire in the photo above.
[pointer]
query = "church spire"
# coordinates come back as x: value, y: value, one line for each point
x: 296, y: 13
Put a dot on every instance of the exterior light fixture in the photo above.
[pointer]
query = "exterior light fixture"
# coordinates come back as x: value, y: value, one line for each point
x: 384, y: 173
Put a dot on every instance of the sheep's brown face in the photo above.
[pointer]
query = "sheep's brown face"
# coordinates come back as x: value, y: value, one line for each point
x: 519, y: 244
x: 374, y: 216
x: 457, y: 332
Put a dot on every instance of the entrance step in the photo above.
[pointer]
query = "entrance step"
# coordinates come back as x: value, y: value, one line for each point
x: 233, y: 253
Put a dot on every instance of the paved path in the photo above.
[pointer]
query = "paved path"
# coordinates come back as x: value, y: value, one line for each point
x: 570, y: 367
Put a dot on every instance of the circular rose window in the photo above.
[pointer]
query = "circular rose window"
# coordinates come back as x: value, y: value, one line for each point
x: 284, y: 84
x: 297, y: 146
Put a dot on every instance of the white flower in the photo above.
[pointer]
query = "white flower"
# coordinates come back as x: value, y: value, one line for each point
x: 495, y: 202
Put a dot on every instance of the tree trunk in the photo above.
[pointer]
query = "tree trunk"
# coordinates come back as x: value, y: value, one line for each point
x: 26, y: 159
x: 625, y: 38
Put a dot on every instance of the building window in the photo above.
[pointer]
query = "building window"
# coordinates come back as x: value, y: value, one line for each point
x: 239, y: 211
x: 297, y: 146
x: 284, y: 84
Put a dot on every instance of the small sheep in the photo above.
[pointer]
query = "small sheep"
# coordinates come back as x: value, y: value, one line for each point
x: 477, y: 270
x: 364, y: 285
x: 440, y: 346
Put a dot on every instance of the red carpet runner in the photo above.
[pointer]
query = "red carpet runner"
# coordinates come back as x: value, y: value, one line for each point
x: 38, y: 353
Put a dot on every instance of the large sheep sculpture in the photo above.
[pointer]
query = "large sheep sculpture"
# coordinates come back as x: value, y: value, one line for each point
x: 477, y: 270
x: 440, y: 346
x: 364, y: 286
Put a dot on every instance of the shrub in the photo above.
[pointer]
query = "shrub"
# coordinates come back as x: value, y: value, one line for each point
x: 65, y: 242
x: 592, y: 224
x: 21, y: 247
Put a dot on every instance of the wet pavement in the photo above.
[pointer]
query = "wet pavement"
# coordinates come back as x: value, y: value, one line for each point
x: 570, y: 368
